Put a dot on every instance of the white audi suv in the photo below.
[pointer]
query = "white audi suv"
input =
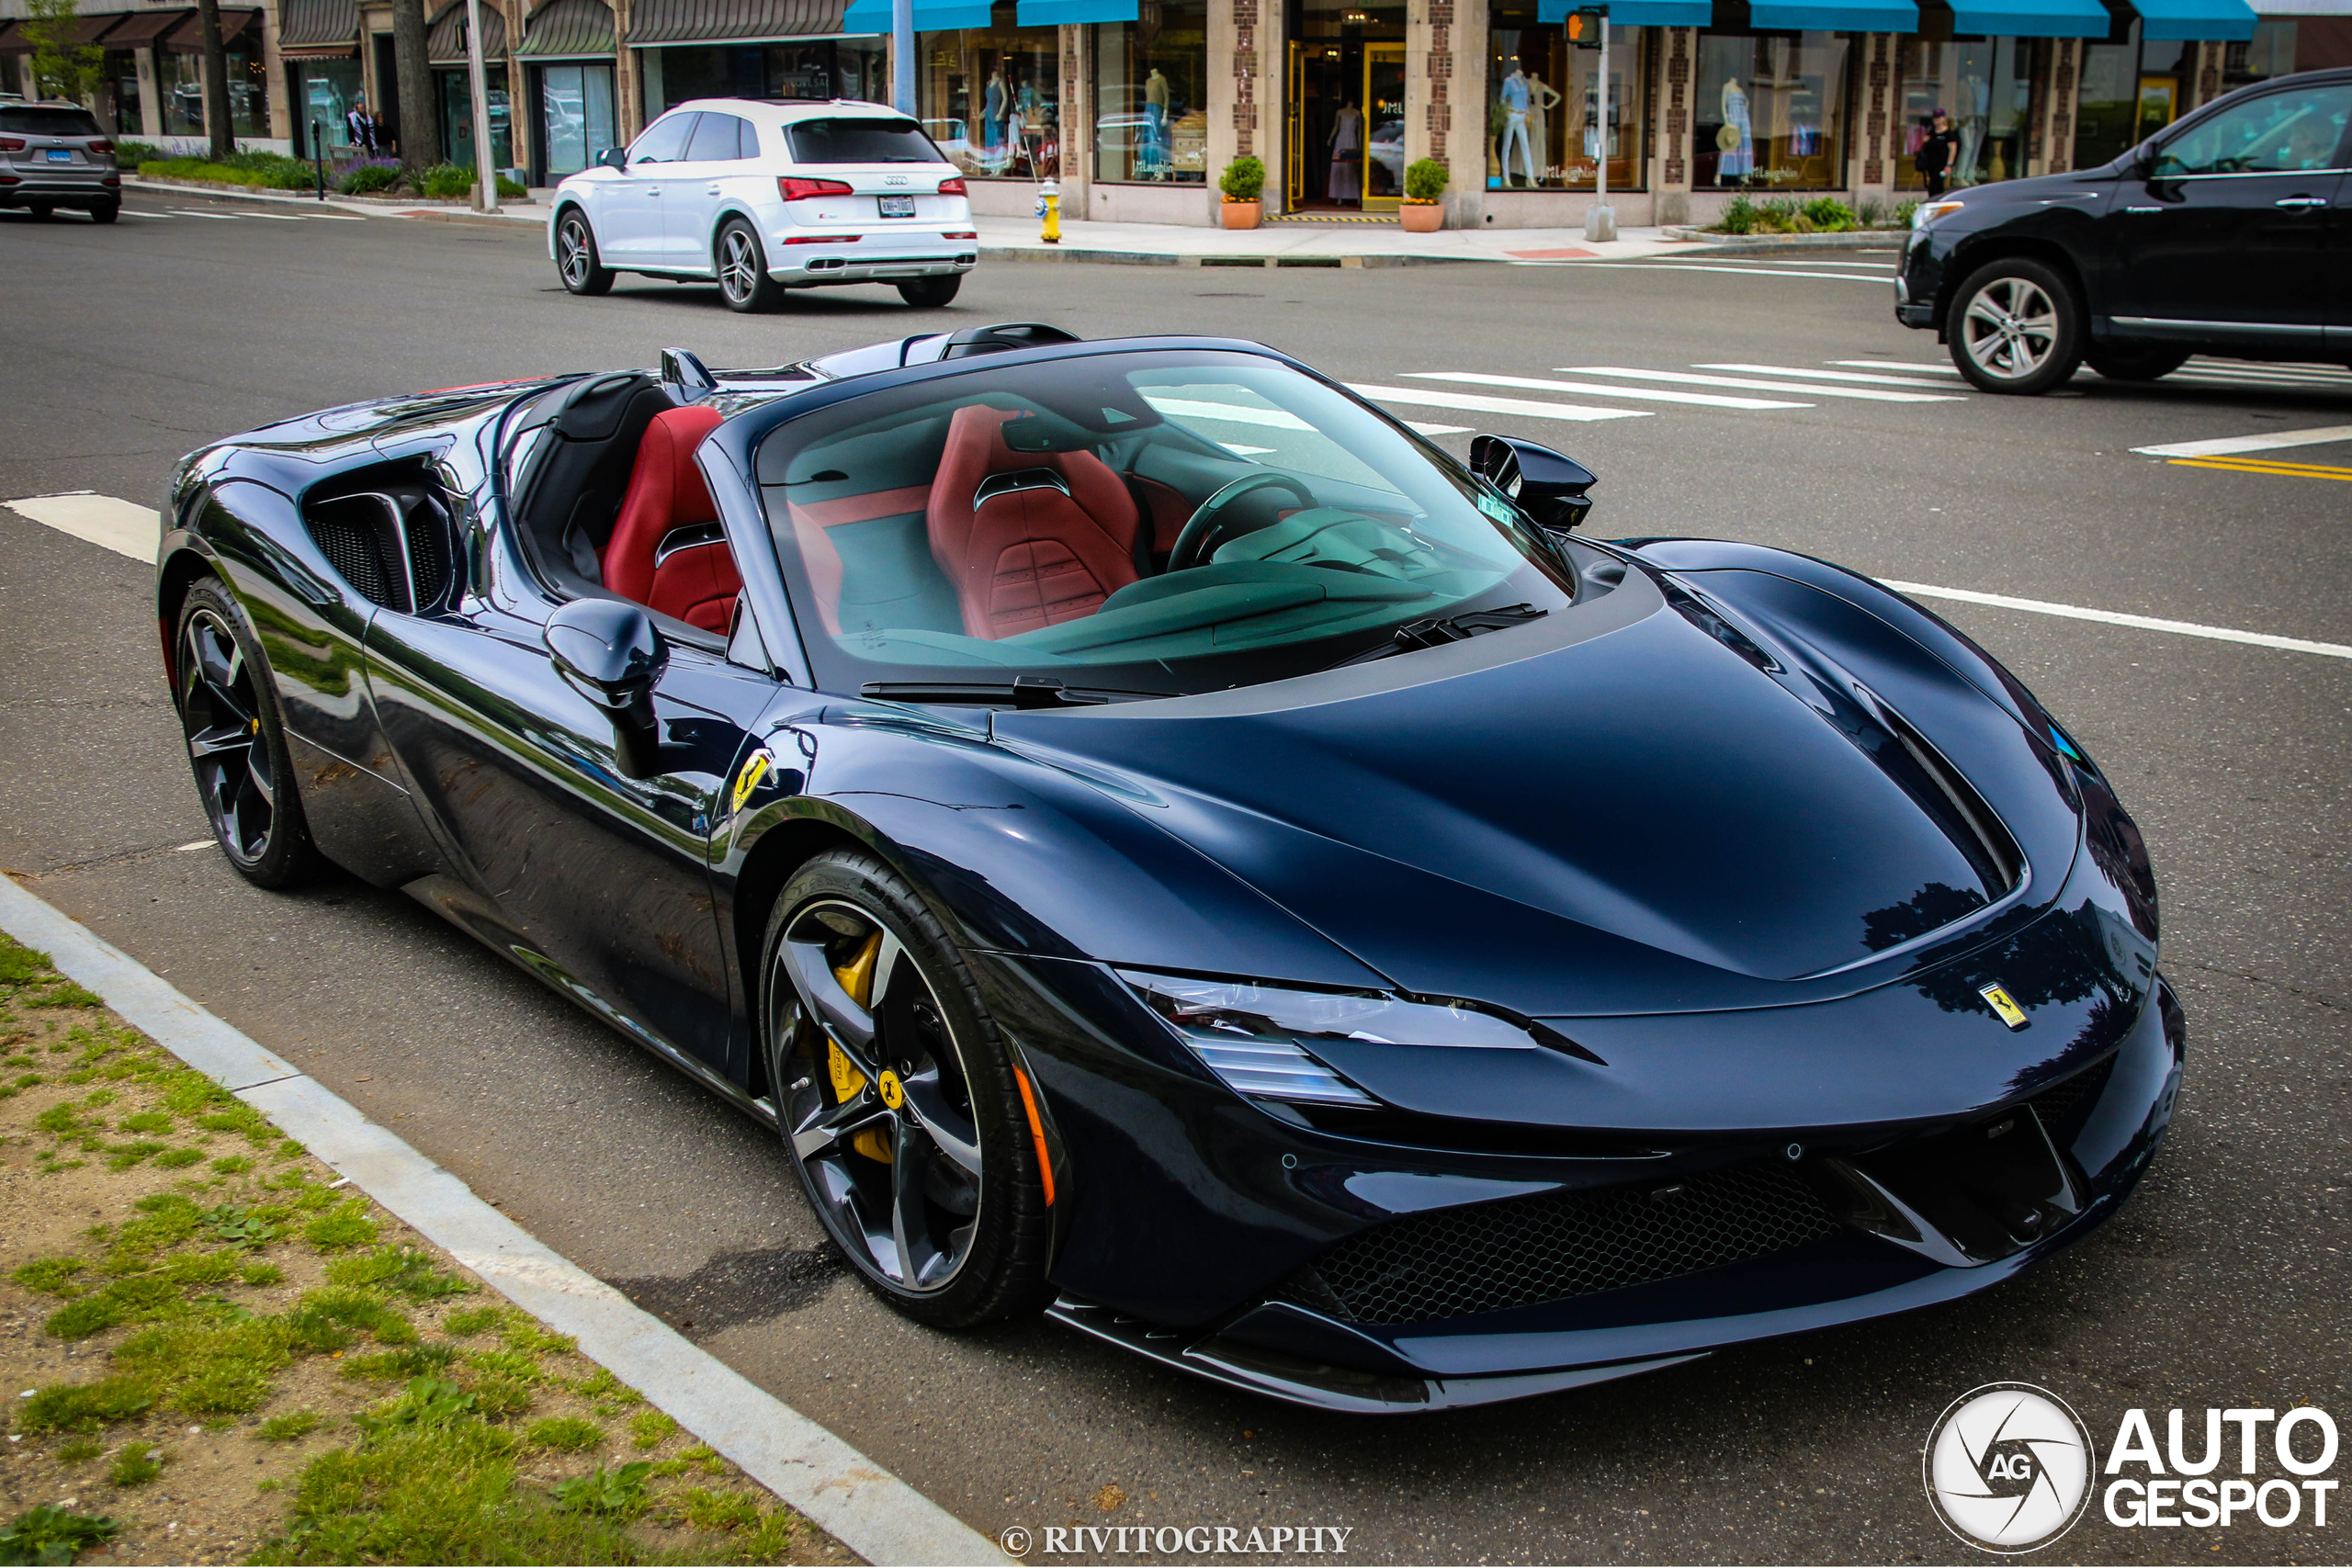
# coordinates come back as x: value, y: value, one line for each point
x: 766, y: 195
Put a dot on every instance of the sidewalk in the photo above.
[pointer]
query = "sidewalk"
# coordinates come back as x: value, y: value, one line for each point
x: 1305, y: 244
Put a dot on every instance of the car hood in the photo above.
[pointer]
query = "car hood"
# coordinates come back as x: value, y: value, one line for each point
x: 1610, y: 811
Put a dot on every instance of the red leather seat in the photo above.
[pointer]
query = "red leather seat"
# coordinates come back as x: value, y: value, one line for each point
x: 1032, y: 554
x: 698, y: 582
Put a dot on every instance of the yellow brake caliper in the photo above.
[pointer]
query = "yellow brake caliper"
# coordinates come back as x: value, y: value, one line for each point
x: 856, y: 977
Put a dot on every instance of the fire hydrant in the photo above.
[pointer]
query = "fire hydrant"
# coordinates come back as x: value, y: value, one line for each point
x: 1049, y: 212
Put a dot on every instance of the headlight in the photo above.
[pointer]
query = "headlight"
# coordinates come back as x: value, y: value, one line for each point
x: 1928, y: 212
x: 1258, y: 1038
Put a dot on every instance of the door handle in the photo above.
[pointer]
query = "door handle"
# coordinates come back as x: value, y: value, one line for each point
x: 710, y: 191
x: 2300, y: 201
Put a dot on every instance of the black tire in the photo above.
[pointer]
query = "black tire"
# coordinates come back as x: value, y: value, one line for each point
x: 40, y: 210
x: 846, y: 923
x: 106, y: 212
x: 577, y: 260
x: 2016, y: 327
x: 236, y: 743
x: 931, y: 292
x: 741, y: 264
x: 2135, y: 361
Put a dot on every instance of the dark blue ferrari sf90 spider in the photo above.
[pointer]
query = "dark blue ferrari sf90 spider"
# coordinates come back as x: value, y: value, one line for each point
x: 1170, y: 846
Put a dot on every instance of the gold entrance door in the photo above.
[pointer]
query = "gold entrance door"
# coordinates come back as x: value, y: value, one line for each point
x: 1384, y: 113
x: 1294, y: 129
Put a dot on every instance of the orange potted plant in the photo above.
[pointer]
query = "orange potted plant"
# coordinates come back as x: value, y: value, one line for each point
x: 1243, y: 182
x: 1423, y: 209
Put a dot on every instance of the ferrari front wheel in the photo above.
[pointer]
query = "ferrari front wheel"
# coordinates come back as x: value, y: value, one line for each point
x: 235, y: 744
x: 901, y: 1105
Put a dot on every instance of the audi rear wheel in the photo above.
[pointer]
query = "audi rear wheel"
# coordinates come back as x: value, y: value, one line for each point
x: 235, y: 743
x: 576, y: 260
x: 2015, y: 327
x: 899, y: 1103
x: 743, y: 280
x: 931, y: 291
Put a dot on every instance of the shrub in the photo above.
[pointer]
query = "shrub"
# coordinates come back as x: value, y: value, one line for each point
x: 1904, y: 211
x: 49, y: 1534
x: 266, y: 169
x: 1829, y: 215
x: 1741, y: 216
x: 1425, y: 180
x: 1244, y: 180
x: 131, y: 154
x: 368, y: 178
x: 447, y: 182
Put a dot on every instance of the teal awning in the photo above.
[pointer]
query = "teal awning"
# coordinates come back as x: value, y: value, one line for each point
x: 934, y: 17
x: 2228, y: 21
x: 1638, y: 13
x: 1056, y: 13
x: 2031, y: 18
x: 1837, y: 16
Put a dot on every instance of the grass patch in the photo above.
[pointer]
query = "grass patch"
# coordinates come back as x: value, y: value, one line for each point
x: 566, y: 1434
x: 467, y: 1322
x: 651, y: 1429
x: 402, y: 1269
x: 136, y: 1468
x: 294, y: 1424
x: 66, y: 994
x: 85, y: 1406
x: 49, y: 1534
x: 232, y: 1165
x: 347, y: 1227
x: 50, y: 1276
x: 397, y: 1366
x: 81, y: 1451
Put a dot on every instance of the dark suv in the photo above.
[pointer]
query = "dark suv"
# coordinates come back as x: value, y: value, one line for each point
x: 54, y: 155
x: 2229, y: 233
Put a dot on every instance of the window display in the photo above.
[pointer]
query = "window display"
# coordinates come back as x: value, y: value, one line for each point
x: 824, y: 68
x: 1151, y: 117
x: 1770, y: 112
x: 1986, y: 86
x: 991, y: 97
x: 1544, y: 102
x: 326, y: 89
x: 180, y: 82
x: 2129, y: 91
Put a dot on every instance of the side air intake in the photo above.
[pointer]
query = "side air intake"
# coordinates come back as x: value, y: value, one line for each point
x: 392, y: 543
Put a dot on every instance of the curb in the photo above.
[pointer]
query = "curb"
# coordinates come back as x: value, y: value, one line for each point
x: 1719, y: 244
x: 397, y: 206
x: 1058, y: 254
x: 864, y: 1507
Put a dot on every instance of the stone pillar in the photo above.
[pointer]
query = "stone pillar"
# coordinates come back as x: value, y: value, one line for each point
x: 274, y: 79
x: 151, y: 96
x: 628, y: 101
x: 2205, y: 82
x: 1230, y: 87
x: 1445, y: 52
x: 1874, y: 158
x: 1077, y: 121
x: 1678, y: 50
x: 2065, y: 67
x: 523, y: 130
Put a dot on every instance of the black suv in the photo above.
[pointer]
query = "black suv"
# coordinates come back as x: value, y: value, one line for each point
x: 2230, y: 234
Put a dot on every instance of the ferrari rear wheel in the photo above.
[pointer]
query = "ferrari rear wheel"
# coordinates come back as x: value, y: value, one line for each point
x: 235, y: 744
x: 898, y: 1099
x: 576, y: 260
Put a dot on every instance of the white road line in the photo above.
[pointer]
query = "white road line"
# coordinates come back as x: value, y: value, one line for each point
x: 116, y: 525
x: 1899, y: 365
x: 1710, y: 267
x: 872, y: 1512
x: 1437, y: 429
x: 216, y: 217
x: 2264, y: 367
x: 1841, y: 376
x: 1867, y: 394
x: 1704, y: 399
x: 2268, y: 441
x: 1490, y: 405
x: 2112, y: 618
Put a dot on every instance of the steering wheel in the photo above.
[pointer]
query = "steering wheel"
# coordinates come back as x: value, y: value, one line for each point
x: 1201, y: 530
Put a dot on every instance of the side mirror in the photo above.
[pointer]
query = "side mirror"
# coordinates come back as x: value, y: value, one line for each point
x: 613, y: 158
x: 607, y: 651
x: 1548, y: 486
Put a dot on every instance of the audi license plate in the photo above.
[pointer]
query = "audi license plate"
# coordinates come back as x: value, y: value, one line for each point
x: 898, y: 206
x: 61, y: 155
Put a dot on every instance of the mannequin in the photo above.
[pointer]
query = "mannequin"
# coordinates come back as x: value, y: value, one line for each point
x: 1737, y: 160
x: 1541, y: 98
x: 1155, y: 124
x: 1516, y: 97
x: 1345, y: 182
x: 1975, y: 104
x: 992, y: 112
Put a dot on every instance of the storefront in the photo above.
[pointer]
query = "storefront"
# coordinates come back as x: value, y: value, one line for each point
x: 447, y: 51
x: 180, y: 69
x: 1151, y: 95
x: 567, y: 56
x: 1344, y: 130
x: 753, y: 49
x: 991, y: 96
x: 1543, y: 105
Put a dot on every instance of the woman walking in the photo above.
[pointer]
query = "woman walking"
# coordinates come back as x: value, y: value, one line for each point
x: 1937, y: 154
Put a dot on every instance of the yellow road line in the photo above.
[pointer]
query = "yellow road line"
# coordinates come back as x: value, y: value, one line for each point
x: 2252, y: 466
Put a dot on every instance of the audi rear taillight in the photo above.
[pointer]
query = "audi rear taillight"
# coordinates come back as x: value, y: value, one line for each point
x: 794, y: 188
x: 952, y: 188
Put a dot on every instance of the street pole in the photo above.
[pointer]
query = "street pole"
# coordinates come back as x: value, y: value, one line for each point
x: 902, y: 56
x: 1600, y: 223
x: 485, y: 166
x: 319, y: 154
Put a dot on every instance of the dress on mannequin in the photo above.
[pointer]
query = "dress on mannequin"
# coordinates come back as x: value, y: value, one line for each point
x: 1541, y: 98
x: 1345, y: 182
x: 1738, y: 161
x: 1515, y: 98
x: 1154, y: 123
x: 992, y: 113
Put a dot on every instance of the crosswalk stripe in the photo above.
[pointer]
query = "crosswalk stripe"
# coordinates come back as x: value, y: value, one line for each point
x: 1825, y: 375
x: 117, y: 525
x: 1867, y: 394
x: 2144, y: 623
x: 1646, y: 394
x: 1490, y: 405
x: 216, y: 217
x: 1419, y: 429
x: 2302, y: 372
x: 1911, y: 366
x: 2268, y: 441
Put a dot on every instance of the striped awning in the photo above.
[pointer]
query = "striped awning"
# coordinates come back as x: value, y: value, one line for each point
x: 143, y: 28
x: 12, y: 40
x: 732, y: 21
x: 188, y: 37
x: 2229, y: 21
x: 931, y: 16
x: 569, y: 30
x: 313, y: 28
x: 445, y: 41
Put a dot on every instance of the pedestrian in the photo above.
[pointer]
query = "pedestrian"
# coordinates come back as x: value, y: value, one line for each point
x: 361, y: 126
x: 1937, y: 154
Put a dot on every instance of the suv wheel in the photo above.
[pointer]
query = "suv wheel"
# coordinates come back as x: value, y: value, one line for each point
x: 2015, y: 327
x: 40, y: 210
x: 2135, y: 361
x: 929, y: 291
x: 106, y: 212
x: 742, y: 264
x: 576, y: 260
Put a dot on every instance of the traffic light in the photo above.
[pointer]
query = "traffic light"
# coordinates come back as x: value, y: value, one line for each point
x: 1585, y: 25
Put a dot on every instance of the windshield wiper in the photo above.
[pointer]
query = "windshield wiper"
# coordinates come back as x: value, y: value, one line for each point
x: 1439, y: 630
x: 1021, y: 691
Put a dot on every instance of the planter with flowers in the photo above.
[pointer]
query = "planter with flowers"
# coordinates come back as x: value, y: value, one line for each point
x: 1423, y: 209
x: 1243, y: 182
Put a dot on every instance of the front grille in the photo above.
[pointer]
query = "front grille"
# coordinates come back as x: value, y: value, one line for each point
x: 2059, y: 1105
x: 1454, y: 1262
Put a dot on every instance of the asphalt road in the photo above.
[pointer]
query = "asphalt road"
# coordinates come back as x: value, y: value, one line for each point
x: 2224, y: 1284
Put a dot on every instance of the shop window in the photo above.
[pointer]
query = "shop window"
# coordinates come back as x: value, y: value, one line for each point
x: 991, y: 96
x: 2129, y: 92
x: 1151, y: 119
x: 324, y: 92
x: 575, y: 117
x: 1772, y: 111
x: 456, y: 92
x: 180, y: 82
x: 2270, y: 53
x: 1986, y: 86
x: 1544, y: 102
x: 827, y: 68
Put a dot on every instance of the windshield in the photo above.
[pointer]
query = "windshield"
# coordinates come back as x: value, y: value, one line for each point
x: 1145, y: 523
x: 860, y: 141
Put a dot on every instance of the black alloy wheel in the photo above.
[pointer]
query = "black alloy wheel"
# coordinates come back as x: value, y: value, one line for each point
x: 743, y: 267
x: 229, y: 716
x: 898, y: 1101
x: 931, y: 291
x: 2016, y: 327
x: 2135, y: 361
x: 106, y: 212
x: 576, y: 260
